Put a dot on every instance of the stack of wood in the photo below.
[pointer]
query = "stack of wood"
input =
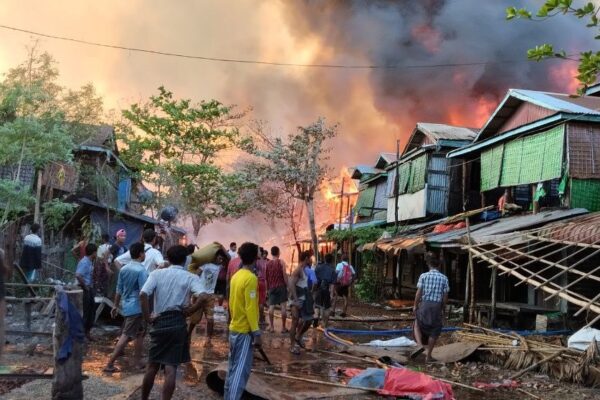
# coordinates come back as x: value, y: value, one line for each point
x: 513, y: 351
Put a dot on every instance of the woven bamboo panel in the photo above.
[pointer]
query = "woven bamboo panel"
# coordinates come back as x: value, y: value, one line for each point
x: 418, y: 171
x: 584, y: 151
x: 403, y: 177
x: 511, y: 163
x: 491, y: 167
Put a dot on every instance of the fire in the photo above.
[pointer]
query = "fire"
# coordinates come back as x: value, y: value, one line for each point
x: 479, y: 113
x: 331, y: 190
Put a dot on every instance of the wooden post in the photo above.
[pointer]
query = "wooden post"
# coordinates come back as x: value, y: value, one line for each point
x: 396, y: 187
x: 341, y: 203
x: 67, y: 380
x: 493, y: 310
x: 470, y: 275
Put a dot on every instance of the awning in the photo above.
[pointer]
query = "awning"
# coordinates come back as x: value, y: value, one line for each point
x: 395, y: 246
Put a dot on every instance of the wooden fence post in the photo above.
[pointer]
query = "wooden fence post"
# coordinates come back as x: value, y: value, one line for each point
x: 68, y: 377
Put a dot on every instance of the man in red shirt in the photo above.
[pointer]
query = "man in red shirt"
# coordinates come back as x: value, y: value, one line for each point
x: 277, y: 281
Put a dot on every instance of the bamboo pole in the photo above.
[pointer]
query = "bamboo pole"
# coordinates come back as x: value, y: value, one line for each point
x: 535, y: 274
x: 535, y: 283
x: 493, y: 308
x: 298, y: 378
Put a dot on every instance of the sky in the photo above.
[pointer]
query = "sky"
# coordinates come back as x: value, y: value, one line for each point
x: 374, y: 107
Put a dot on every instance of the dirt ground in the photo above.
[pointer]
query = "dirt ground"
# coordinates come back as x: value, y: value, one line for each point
x: 35, y: 355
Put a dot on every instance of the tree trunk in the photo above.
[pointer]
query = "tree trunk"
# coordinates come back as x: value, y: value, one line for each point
x: 38, y: 197
x: 67, y: 380
x: 310, y: 207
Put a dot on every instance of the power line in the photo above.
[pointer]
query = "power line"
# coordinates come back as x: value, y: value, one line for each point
x: 259, y: 62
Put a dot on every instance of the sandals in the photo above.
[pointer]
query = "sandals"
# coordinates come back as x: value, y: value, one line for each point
x: 111, y: 369
x: 417, y: 352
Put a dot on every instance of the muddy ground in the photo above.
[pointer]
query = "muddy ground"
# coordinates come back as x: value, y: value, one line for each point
x: 35, y: 355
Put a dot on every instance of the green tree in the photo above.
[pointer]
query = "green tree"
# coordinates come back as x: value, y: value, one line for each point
x: 176, y: 146
x: 589, y: 61
x: 298, y: 165
x: 38, y: 126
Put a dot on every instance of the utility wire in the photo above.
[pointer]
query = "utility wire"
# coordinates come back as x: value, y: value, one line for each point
x: 260, y: 62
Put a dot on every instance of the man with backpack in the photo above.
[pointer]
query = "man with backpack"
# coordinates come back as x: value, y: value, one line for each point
x: 345, y: 276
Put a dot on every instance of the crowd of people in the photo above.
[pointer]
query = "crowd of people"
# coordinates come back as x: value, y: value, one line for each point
x: 167, y: 297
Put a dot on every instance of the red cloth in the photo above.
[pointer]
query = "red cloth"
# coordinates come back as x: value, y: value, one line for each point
x: 262, y: 292
x: 274, y: 274
x: 233, y: 267
x: 404, y: 382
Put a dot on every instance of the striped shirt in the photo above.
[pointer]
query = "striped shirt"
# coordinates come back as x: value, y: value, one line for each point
x: 434, y: 285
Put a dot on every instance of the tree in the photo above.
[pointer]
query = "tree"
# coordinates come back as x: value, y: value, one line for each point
x: 298, y: 164
x: 176, y: 147
x: 37, y: 127
x: 589, y: 61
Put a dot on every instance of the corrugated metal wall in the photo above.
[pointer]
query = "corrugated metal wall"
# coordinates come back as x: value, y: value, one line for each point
x: 381, y: 195
x: 438, y: 183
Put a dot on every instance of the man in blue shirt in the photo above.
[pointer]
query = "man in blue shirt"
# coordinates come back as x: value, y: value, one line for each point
x: 131, y: 280
x: 84, y: 275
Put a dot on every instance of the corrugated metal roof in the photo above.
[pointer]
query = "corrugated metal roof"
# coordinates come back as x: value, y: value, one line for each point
x: 447, y: 132
x: 488, y: 231
x: 558, y: 102
x: 359, y: 170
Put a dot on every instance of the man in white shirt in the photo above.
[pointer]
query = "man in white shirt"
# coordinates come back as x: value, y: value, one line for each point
x: 172, y: 289
x: 154, y: 258
x: 208, y: 280
x: 345, y: 276
x: 232, y: 252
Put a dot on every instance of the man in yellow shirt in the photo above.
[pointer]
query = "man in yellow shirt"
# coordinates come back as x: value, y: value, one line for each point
x: 243, y: 329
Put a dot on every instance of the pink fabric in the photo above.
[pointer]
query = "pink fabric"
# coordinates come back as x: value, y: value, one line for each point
x: 404, y: 382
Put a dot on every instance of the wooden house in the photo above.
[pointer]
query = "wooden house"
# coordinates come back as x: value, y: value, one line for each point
x: 371, y: 204
x: 429, y: 184
x: 538, y: 145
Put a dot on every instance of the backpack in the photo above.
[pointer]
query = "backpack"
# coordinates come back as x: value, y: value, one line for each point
x: 346, y: 278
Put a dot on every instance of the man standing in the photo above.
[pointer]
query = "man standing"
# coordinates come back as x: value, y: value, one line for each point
x: 119, y: 248
x: 301, y: 303
x: 277, y: 281
x: 153, y: 259
x: 84, y: 275
x: 345, y: 276
x: 31, y: 257
x: 232, y: 252
x: 131, y: 280
x: 430, y: 304
x: 172, y: 288
x: 326, y: 278
x: 208, y: 281
x: 243, y: 329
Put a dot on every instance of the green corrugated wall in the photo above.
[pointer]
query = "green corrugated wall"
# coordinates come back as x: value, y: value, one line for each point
x: 585, y: 193
x: 366, y: 199
x: 411, y: 175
